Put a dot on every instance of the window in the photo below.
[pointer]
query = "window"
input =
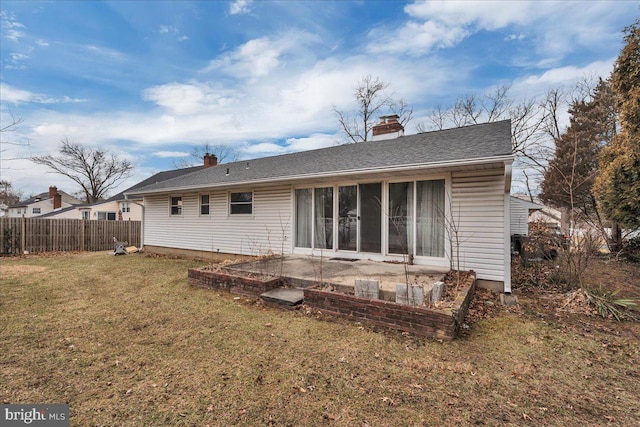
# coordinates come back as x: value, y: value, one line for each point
x: 86, y: 215
x: 204, y: 204
x: 303, y: 218
x: 108, y: 216
x: 241, y: 203
x: 35, y: 211
x: 430, y: 218
x: 124, y: 207
x: 400, y: 218
x: 176, y: 205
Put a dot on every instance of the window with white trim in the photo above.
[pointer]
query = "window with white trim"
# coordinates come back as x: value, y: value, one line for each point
x: 125, y: 207
x: 86, y: 215
x: 241, y: 203
x: 35, y: 211
x: 107, y: 216
x: 176, y: 205
x: 204, y: 204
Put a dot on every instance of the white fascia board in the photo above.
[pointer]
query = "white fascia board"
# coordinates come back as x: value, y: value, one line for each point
x: 506, y: 160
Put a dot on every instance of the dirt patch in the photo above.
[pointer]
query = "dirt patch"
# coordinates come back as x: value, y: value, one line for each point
x: 19, y: 269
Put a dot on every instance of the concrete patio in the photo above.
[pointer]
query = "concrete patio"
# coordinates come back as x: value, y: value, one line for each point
x: 304, y: 271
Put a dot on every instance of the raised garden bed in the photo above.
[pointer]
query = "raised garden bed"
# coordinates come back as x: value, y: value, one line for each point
x: 231, y: 281
x: 441, y: 321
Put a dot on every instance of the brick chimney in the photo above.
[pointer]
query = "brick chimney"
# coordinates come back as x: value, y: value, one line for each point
x: 57, y: 200
x: 210, y: 160
x: 388, y: 128
x: 57, y: 197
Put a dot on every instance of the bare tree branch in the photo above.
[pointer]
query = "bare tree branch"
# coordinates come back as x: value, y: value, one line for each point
x: 95, y: 170
x: 372, y: 98
x: 224, y: 153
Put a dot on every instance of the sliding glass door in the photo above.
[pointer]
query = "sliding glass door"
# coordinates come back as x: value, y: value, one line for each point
x: 371, y: 217
x: 400, y: 218
x: 348, y: 218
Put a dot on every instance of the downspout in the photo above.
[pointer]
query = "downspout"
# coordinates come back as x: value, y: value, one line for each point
x: 507, y: 226
x: 141, y: 223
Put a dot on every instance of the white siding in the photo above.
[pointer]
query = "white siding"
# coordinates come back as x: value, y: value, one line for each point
x: 478, y: 203
x: 519, y: 217
x: 267, y: 229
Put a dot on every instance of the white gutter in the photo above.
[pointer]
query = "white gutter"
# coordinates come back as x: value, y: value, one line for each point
x: 507, y: 159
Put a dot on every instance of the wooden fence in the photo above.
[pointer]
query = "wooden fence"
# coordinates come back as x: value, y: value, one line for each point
x: 34, y: 235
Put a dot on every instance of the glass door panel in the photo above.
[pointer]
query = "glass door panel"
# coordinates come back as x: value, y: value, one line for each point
x: 324, y: 218
x: 400, y: 218
x: 371, y: 217
x: 348, y: 217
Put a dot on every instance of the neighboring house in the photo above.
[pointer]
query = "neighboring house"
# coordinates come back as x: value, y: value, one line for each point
x: 381, y: 200
x: 521, y: 210
x: 42, y: 204
x: 118, y: 207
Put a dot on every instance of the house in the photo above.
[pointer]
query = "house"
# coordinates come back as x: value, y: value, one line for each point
x: 441, y: 197
x: 521, y: 210
x: 42, y: 204
x: 117, y: 207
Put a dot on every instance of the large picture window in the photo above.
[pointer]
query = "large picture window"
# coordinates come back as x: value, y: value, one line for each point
x: 241, y: 203
x: 176, y: 205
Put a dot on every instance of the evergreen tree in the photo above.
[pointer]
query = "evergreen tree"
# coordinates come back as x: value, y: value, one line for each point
x: 569, y: 179
x: 618, y: 183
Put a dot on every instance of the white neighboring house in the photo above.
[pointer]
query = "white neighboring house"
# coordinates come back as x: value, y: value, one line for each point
x: 521, y: 212
x: 117, y: 208
x: 43, y: 204
x: 378, y: 200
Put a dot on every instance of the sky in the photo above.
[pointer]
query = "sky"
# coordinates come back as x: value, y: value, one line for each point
x: 150, y: 81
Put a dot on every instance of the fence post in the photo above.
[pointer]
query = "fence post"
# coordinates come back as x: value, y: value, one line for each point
x: 81, y: 235
x: 23, y: 234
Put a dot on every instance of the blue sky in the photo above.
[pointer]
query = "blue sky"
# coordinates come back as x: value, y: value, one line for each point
x: 151, y: 80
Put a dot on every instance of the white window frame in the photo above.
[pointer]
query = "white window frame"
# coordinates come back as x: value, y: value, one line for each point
x: 201, y: 205
x: 231, y: 204
x: 179, y: 206
x: 125, y: 207
x: 106, y: 215
x: 36, y: 211
x: 86, y: 215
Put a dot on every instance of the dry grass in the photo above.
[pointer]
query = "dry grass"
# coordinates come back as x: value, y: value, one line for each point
x: 126, y: 342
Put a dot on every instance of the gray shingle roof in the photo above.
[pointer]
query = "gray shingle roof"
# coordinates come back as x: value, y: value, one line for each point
x: 67, y: 198
x: 430, y: 148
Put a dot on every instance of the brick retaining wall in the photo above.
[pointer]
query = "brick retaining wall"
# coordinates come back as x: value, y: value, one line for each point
x: 426, y: 322
x: 231, y: 283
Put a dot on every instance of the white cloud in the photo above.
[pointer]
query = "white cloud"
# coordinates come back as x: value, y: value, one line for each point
x: 14, y: 35
x: 169, y: 154
x: 240, y: 7
x: 186, y: 98
x: 14, y: 95
x: 566, y: 75
x: 255, y: 58
x: 164, y: 29
x: 264, y: 148
x: 42, y: 43
x: 314, y: 141
x: 442, y: 24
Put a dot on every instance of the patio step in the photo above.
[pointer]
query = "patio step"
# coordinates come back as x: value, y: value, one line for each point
x: 284, y: 297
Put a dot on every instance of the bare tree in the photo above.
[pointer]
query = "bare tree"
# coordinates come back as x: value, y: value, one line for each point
x: 94, y: 169
x: 373, y: 98
x: 224, y: 153
x: 8, y: 196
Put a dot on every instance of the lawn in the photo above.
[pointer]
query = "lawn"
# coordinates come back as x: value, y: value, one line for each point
x: 127, y: 342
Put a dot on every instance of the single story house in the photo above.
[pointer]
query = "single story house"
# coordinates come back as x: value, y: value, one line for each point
x: 118, y: 208
x: 521, y: 211
x: 441, y: 198
x: 42, y: 204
